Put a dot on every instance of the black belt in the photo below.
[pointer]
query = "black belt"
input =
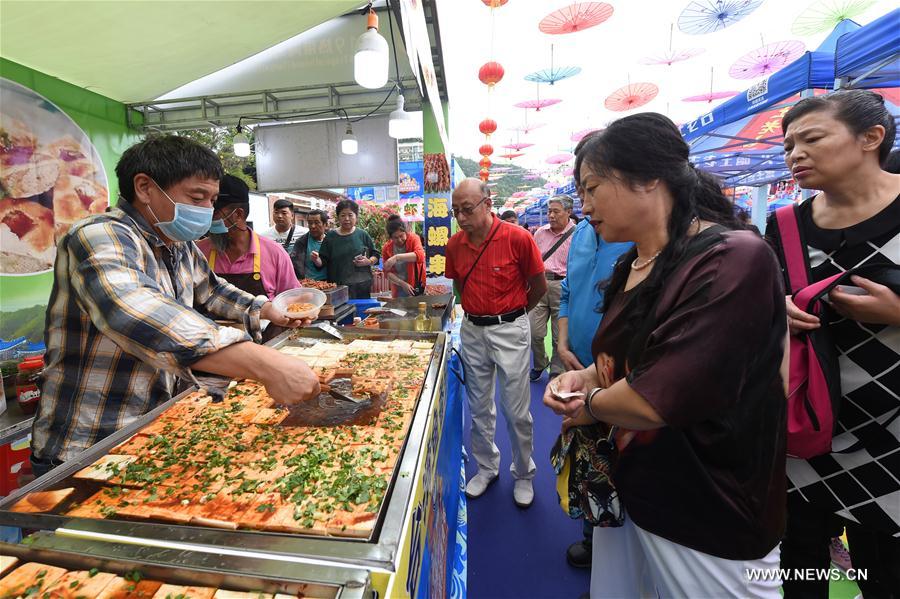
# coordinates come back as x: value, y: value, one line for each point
x: 486, y: 321
x: 552, y: 276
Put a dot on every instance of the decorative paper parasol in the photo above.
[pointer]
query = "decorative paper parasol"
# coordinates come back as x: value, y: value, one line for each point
x: 710, y: 95
x: 575, y: 17
x: 518, y: 146
x: 672, y: 55
x: 553, y: 74
x: 707, y: 16
x: 560, y: 158
x: 824, y: 15
x: 767, y: 59
x: 538, y: 104
x: 631, y: 96
x: 531, y: 177
x: 550, y: 185
x: 579, y: 135
x: 519, y: 194
x: 569, y: 172
x: 512, y: 155
x: 528, y: 128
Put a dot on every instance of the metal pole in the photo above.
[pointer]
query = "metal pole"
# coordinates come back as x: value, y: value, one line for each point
x: 760, y: 203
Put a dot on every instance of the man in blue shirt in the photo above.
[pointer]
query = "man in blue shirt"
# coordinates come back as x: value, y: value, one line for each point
x: 590, y: 261
x: 308, y: 246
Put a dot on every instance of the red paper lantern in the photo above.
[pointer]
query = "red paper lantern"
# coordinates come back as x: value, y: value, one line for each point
x: 486, y: 150
x: 490, y: 73
x: 483, y: 174
x: 487, y: 126
x: 494, y: 3
x: 485, y: 162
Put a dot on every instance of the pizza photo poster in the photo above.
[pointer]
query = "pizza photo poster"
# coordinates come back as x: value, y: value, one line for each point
x: 51, y: 176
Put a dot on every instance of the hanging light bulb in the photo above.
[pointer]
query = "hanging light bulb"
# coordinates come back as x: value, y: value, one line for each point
x: 349, y: 145
x: 401, y: 125
x: 241, y: 144
x: 371, y: 60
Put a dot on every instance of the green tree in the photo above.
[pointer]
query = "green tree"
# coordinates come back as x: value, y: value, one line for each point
x: 221, y: 141
x: 510, y: 183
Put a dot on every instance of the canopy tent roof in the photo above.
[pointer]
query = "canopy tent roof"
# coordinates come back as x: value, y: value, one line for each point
x: 137, y: 50
x: 741, y: 139
x: 875, y: 47
x: 200, y: 63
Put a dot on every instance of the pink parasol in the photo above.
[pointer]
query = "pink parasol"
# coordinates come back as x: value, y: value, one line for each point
x: 579, y: 135
x: 560, y: 158
x: 710, y: 96
x: 550, y: 185
x: 531, y: 177
x: 512, y: 155
x: 519, y: 194
x: 528, y: 127
x: 671, y: 55
x: 631, y: 96
x: 575, y: 17
x: 767, y: 59
x: 518, y: 146
x: 538, y: 104
x: 569, y: 172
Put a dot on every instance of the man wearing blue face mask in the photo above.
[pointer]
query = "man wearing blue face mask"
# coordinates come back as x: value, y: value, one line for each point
x: 121, y: 325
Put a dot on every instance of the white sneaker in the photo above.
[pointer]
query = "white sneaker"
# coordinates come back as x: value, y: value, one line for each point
x: 523, y: 493
x: 479, y: 483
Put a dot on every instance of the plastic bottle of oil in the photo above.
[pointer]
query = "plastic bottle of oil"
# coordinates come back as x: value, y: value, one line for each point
x: 423, y: 323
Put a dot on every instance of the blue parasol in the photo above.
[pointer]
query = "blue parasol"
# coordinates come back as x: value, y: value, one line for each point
x: 708, y: 16
x: 553, y: 74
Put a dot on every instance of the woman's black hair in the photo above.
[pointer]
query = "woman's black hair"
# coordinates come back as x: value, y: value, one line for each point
x: 859, y: 109
x: 646, y: 147
x: 344, y: 205
x: 892, y: 163
x: 394, y: 224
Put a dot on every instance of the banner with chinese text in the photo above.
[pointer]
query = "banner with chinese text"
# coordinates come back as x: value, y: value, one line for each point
x: 437, y: 232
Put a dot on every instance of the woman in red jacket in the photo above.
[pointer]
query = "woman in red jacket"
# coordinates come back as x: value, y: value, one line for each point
x: 403, y: 259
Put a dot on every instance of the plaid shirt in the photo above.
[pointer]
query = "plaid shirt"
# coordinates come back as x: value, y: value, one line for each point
x: 121, y: 328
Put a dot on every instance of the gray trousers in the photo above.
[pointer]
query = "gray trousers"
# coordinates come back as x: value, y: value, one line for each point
x: 499, y: 351
x: 546, y: 309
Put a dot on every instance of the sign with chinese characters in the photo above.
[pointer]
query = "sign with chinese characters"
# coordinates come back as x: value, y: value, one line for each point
x: 437, y: 232
x: 412, y: 187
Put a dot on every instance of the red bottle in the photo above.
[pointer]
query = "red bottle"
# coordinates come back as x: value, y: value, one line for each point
x: 28, y: 389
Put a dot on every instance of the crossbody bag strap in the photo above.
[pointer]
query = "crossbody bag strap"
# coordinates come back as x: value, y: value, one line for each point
x: 287, y: 240
x: 792, y: 249
x: 558, y: 243
x: 477, y: 258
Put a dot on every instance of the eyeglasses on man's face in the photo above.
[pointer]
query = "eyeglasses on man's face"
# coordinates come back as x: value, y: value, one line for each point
x: 468, y: 210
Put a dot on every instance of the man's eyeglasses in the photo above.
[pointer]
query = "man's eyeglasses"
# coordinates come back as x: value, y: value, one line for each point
x: 469, y: 210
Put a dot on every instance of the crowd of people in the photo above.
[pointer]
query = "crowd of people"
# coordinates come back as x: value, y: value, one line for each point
x: 671, y: 320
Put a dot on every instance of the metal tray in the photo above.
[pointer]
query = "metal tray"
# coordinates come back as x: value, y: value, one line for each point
x: 378, y: 551
x: 228, y: 572
x: 337, y: 296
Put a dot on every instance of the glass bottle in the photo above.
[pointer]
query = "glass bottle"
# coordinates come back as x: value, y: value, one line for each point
x: 423, y: 323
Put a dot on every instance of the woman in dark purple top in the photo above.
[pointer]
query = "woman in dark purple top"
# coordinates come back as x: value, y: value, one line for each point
x: 687, y: 364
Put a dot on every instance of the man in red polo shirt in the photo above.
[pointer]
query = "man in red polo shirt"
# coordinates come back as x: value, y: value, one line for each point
x: 497, y: 270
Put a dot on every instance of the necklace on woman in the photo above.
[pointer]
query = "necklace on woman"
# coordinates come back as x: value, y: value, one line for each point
x: 636, y: 266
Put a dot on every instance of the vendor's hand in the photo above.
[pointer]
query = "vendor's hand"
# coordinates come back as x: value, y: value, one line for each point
x: 566, y: 382
x: 409, y: 289
x: 314, y: 256
x: 277, y: 316
x: 569, y: 359
x: 289, y: 381
x: 361, y: 261
x: 798, y: 320
x: 880, y: 306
